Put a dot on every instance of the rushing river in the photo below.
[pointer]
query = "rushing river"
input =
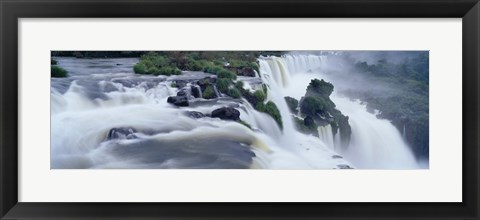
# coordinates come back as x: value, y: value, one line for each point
x: 104, y: 94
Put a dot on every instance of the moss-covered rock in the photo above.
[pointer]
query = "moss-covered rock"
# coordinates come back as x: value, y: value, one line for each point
x: 317, y: 105
x: 234, y: 93
x: 57, y: 71
x: 209, y: 93
x: 259, y: 95
x: 271, y: 109
x: 305, y: 127
x: 292, y: 104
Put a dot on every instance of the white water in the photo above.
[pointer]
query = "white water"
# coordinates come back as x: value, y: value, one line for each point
x: 325, y: 134
x: 86, y: 110
x: 83, y: 114
x: 375, y: 143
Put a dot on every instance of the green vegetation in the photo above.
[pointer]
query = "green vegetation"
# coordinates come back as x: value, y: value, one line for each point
x: 292, y: 104
x: 209, y: 93
x: 140, y: 68
x: 317, y: 108
x: 405, y: 103
x: 167, y: 71
x: 319, y: 88
x: 312, y: 106
x: 57, y: 71
x: 223, y: 85
x: 154, y: 64
x: 53, y: 62
x: 245, y: 124
x: 304, y: 127
x: 259, y: 95
x: 234, y: 93
x: 271, y: 109
x: 223, y: 64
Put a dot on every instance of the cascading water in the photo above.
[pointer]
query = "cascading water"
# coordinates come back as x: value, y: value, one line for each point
x: 104, y: 94
x: 325, y: 134
x: 375, y: 143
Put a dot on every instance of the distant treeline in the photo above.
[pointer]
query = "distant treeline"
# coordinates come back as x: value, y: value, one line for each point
x: 203, y: 54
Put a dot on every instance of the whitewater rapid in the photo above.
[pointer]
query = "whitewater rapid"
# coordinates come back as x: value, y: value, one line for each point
x: 375, y: 143
x: 103, y: 94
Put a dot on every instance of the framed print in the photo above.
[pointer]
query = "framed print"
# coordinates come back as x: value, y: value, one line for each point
x: 226, y: 109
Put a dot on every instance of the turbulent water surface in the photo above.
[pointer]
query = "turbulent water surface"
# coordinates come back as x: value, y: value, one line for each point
x: 103, y: 94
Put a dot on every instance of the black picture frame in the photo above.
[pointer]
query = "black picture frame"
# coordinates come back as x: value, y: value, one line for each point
x: 12, y: 10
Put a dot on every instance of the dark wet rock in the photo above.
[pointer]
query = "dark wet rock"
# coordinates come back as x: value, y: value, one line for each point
x: 121, y: 133
x: 196, y: 92
x: 226, y: 113
x: 292, y: 104
x: 203, y: 83
x: 309, y: 122
x: 180, y: 83
x: 182, y: 93
x: 178, y: 100
x: 242, y: 71
x: 194, y: 114
x: 344, y: 166
x: 337, y: 157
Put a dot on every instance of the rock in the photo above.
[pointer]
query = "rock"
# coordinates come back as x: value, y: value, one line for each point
x: 242, y: 71
x: 196, y: 92
x: 292, y: 104
x: 180, y: 83
x: 182, y: 93
x: 344, y: 166
x: 226, y: 113
x: 309, y: 122
x: 203, y: 83
x: 178, y: 100
x: 194, y: 114
x: 121, y: 133
x: 337, y: 157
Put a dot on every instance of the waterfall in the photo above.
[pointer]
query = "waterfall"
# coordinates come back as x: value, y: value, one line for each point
x: 326, y: 135
x: 375, y: 143
x: 86, y: 107
x: 274, y: 73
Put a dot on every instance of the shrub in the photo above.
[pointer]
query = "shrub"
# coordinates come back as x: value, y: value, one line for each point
x: 140, y: 68
x: 265, y: 89
x: 234, y: 93
x: 167, y: 71
x: 226, y: 74
x: 311, y: 106
x: 57, y: 71
x: 153, y: 70
x: 223, y: 84
x: 319, y: 88
x: 153, y: 59
x: 259, y: 95
x: 53, y: 62
x: 209, y: 68
x: 271, y: 109
x: 194, y: 65
x: 209, y: 93
x: 239, y: 84
x: 219, y: 62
